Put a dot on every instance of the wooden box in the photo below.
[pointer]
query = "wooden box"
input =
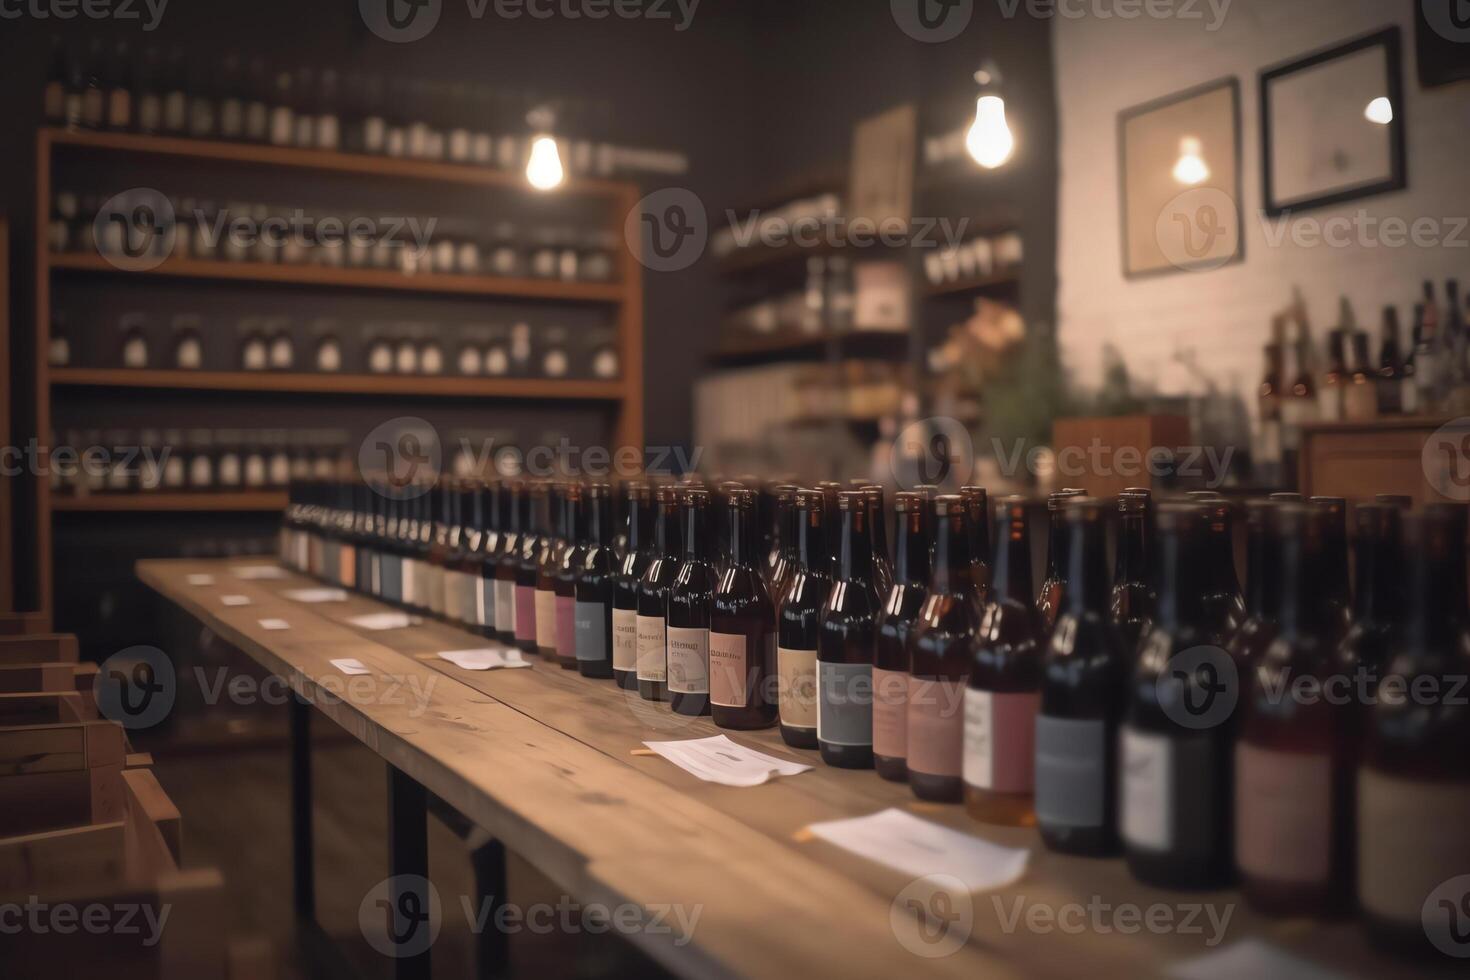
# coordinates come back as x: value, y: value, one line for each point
x: 1107, y: 455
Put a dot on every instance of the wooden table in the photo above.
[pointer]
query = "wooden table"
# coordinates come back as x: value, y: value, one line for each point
x: 542, y: 759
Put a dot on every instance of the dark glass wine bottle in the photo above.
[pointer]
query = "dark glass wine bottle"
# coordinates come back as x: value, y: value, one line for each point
x: 781, y: 565
x: 845, y: 642
x: 533, y: 543
x: 638, y: 548
x: 507, y: 562
x: 444, y: 498
x: 878, y: 529
x: 1176, y: 748
x: 594, y: 592
x: 568, y: 570
x: 547, y: 564
x: 1054, y: 586
x: 798, y: 620
x: 1132, y: 600
x: 690, y: 600
x: 977, y: 521
x: 1378, y: 608
x: 1004, y: 695
x: 1221, y: 604
x: 940, y: 652
x: 1082, y: 691
x: 1414, y: 784
x: 1263, y: 586
x: 1293, y: 781
x: 742, y: 641
x: 891, y: 664
x: 1339, y: 588
x: 653, y: 597
x: 473, y: 531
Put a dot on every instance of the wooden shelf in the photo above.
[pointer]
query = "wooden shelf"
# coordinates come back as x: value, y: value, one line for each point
x: 311, y: 275
x: 327, y: 161
x: 992, y: 283
x: 794, y: 344
x: 423, y: 386
x: 247, y: 500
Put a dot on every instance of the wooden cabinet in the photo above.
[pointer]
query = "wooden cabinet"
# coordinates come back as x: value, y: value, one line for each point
x: 1357, y: 460
x: 1107, y: 455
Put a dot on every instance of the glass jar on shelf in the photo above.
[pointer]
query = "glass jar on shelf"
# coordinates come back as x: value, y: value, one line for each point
x: 282, y: 346
x: 599, y: 257
x: 497, y: 353
x: 300, y: 443
x: 605, y: 362
x: 253, y: 465
x: 555, y: 358
x: 328, y: 359
x: 175, y: 460
x: 406, y: 355
x: 379, y: 355
x: 472, y: 349
x: 278, y: 458
x: 121, y: 462
x: 545, y: 252
x: 234, y: 243
x: 296, y: 249
x: 61, y: 233
x: 229, y: 465
x: 568, y: 257
x: 520, y: 350
x: 505, y: 257
x: 58, y: 346
x: 431, y: 352
x: 446, y: 255
x: 188, y: 342
x: 254, y: 348
x: 134, y: 340
x: 200, y: 454
x: 270, y: 235
x: 151, y: 460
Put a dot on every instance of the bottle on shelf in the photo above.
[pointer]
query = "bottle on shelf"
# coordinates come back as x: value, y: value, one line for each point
x: 939, y: 646
x: 799, y: 618
x: 94, y: 95
x: 690, y: 602
x: 231, y: 98
x: 1299, y: 407
x: 1292, y: 778
x: 1175, y: 755
x: 120, y: 90
x: 568, y: 570
x: 1004, y: 693
x: 653, y: 597
x: 1131, y: 603
x: 594, y: 593
x: 1389, y: 375
x: 1413, y: 784
x: 897, y: 622
x: 188, y: 343
x: 1331, y: 403
x: 1267, y: 456
x: 1082, y: 693
x: 201, y: 124
x: 742, y: 641
x: 845, y: 641
x: 638, y: 554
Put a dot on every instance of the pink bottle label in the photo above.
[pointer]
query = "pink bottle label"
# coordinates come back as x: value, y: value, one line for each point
x: 936, y: 713
x: 1283, y: 815
x: 525, y: 613
x: 566, y: 627
x: 890, y: 713
x: 1000, y: 741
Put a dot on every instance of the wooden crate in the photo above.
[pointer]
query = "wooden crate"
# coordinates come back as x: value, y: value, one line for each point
x: 1107, y: 455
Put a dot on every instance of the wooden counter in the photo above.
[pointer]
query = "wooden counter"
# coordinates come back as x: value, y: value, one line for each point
x: 541, y: 758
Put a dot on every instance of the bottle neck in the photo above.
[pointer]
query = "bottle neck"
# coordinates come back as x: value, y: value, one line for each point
x: 573, y: 530
x: 1087, y: 582
x: 1222, y: 554
x: 696, y: 532
x: 1180, y: 554
x: 1012, y: 574
x: 1380, y: 576
x: 638, y: 525
x: 744, y: 538
x: 811, y: 542
x: 1303, y: 600
x: 878, y: 527
x: 911, y: 549
x: 786, y: 522
x: 951, y: 572
x: 854, y: 547
x: 1056, y: 546
x: 666, y: 530
x: 1132, y: 563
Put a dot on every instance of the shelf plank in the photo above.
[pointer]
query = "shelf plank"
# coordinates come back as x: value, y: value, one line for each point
x: 996, y: 282
x: 328, y: 161
x: 361, y: 384
x: 244, y: 500
x: 743, y: 345
x: 310, y: 275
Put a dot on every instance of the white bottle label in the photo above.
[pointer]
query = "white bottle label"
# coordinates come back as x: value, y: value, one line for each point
x: 546, y: 619
x: 688, y: 660
x: 652, y: 659
x: 1146, y: 762
x: 625, y: 639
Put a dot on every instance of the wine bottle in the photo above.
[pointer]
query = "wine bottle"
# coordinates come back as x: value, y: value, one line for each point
x: 653, y: 597
x: 798, y: 619
x: 891, y: 664
x: 625, y: 585
x: 1175, y: 748
x: 878, y: 530
x: 507, y: 562
x: 1263, y: 587
x: 940, y: 644
x: 483, y: 564
x: 742, y: 641
x: 1053, y: 587
x: 568, y: 569
x: 594, y: 591
x: 781, y: 560
x: 977, y: 523
x: 533, y: 537
x: 1004, y: 695
x: 1378, y: 606
x: 1131, y: 602
x: 845, y: 642
x: 1338, y: 593
x: 1293, y: 787
x: 548, y: 561
x: 1222, y: 604
x: 690, y: 601
x: 1081, y: 700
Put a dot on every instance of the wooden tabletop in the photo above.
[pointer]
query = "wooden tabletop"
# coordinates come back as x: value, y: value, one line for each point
x: 543, y: 759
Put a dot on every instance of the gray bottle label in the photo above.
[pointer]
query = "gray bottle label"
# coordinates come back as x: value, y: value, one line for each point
x: 845, y: 703
x: 487, y: 602
x: 591, y: 631
x: 1071, y: 772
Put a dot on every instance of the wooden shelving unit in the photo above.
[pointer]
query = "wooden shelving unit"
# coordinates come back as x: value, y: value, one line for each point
x: 791, y: 344
x: 623, y: 398
x: 999, y: 282
x: 246, y: 500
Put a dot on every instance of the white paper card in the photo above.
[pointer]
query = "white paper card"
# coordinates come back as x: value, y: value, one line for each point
x: 235, y: 600
x: 259, y: 571
x: 350, y: 666
x: 919, y: 847
x: 200, y: 578
x: 274, y: 624
x: 1253, y: 958
x: 718, y: 760
x: 382, y: 621
x: 316, y: 595
x: 488, y: 658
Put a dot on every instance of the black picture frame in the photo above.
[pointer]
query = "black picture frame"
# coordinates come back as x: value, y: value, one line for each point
x: 1391, y: 41
x: 1230, y: 82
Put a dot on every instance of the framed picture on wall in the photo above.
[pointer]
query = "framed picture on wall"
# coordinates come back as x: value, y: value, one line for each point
x: 1179, y: 174
x: 1332, y: 125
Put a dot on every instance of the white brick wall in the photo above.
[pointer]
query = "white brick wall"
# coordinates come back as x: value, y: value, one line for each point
x: 1104, y: 66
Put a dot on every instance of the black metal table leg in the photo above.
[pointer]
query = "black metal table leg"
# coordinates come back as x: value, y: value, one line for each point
x: 408, y: 864
x: 303, y: 869
x: 492, y: 947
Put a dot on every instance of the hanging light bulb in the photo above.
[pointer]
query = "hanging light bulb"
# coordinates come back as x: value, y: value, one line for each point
x: 1379, y: 111
x: 544, y: 170
x: 1191, y: 168
x: 989, y: 140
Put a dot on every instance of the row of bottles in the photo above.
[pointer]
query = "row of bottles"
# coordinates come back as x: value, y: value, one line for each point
x: 1138, y: 713
x: 250, y: 100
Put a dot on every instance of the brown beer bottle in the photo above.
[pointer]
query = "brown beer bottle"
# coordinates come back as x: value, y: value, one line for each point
x: 1335, y: 570
x: 637, y: 556
x: 1004, y: 694
x: 781, y: 561
x: 1222, y: 604
x: 895, y: 623
x: 878, y: 531
x: 742, y: 639
x: 798, y: 620
x: 690, y: 599
x: 653, y: 597
x: 573, y: 553
x: 845, y: 642
x: 1131, y: 602
x: 1049, y: 600
x: 1378, y: 607
x: 940, y: 647
x: 977, y: 521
